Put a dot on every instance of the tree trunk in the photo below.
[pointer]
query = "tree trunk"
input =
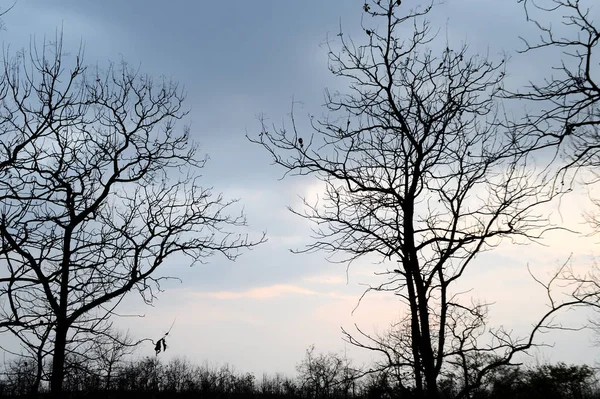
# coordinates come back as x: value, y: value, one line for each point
x: 415, y: 333
x: 58, y: 360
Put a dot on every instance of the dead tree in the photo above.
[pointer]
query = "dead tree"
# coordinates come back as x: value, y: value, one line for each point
x: 419, y: 173
x: 99, y: 187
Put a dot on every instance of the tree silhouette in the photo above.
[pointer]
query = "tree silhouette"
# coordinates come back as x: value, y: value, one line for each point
x: 328, y: 375
x: 421, y: 175
x: 99, y: 187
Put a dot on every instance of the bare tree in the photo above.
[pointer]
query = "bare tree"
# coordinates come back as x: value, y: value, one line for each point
x: 420, y: 174
x: 19, y: 376
x: 323, y: 376
x: 34, y: 351
x: 101, y: 352
x: 98, y: 189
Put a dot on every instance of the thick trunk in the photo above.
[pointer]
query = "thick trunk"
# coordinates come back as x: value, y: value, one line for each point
x: 415, y: 334
x: 39, y: 369
x: 62, y: 323
x: 421, y: 333
x: 426, y: 349
x: 58, y: 360
x: 421, y: 342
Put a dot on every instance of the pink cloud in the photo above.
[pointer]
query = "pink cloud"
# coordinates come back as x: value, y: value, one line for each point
x: 272, y: 291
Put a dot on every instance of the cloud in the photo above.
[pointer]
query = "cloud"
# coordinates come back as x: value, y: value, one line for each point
x: 325, y: 279
x: 272, y: 291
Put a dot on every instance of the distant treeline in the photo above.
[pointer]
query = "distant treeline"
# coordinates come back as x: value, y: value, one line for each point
x: 319, y: 377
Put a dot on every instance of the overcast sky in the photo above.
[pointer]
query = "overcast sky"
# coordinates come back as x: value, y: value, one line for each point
x: 241, y: 58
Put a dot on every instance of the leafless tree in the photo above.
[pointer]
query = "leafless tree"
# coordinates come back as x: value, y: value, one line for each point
x: 99, y: 187
x: 419, y: 173
x: 101, y: 352
x: 19, y: 376
x: 34, y: 347
x: 328, y: 375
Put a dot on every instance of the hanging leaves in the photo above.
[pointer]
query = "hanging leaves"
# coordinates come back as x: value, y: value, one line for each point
x: 161, y: 345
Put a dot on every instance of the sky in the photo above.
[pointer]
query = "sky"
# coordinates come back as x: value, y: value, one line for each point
x: 240, y: 59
